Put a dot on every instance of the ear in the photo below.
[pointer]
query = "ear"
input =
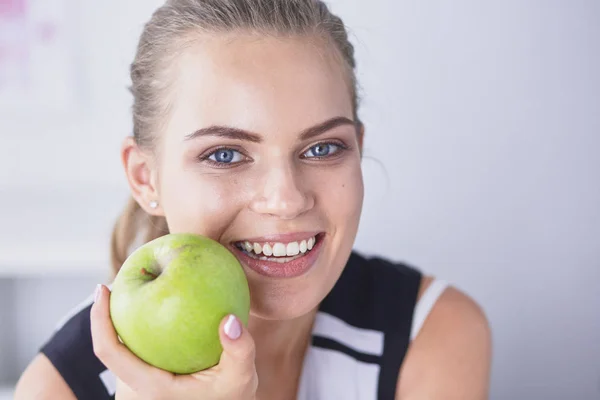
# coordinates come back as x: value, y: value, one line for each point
x: 141, y: 175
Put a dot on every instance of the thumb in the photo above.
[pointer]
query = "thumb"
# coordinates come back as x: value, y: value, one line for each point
x: 237, y: 359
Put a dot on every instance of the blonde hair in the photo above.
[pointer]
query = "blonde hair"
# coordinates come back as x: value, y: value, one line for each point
x: 162, y: 38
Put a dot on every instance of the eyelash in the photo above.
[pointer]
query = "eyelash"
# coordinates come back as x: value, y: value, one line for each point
x: 341, y: 148
x: 216, y: 164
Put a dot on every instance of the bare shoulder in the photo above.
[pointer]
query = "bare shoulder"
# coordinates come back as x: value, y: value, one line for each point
x: 451, y: 356
x: 42, y: 381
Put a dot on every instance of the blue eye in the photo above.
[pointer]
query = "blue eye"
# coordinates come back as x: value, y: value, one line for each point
x: 322, y: 150
x: 226, y: 156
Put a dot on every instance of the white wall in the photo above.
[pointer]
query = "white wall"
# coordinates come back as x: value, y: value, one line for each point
x: 496, y: 110
x: 485, y: 119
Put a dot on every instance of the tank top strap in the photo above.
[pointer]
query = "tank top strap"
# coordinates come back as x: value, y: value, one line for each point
x: 425, y: 304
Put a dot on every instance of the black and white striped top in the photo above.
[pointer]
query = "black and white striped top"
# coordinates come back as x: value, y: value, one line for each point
x: 360, y: 336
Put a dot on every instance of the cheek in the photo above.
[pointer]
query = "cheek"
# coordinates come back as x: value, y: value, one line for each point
x: 341, y: 194
x: 200, y: 203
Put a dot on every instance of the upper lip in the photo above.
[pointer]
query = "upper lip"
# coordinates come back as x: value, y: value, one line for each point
x: 282, y: 237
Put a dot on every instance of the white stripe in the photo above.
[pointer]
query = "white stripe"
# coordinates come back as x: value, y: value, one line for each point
x: 329, y: 375
x: 110, y: 382
x: 425, y: 305
x: 363, y: 340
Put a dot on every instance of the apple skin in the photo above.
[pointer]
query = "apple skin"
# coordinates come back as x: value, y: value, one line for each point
x: 169, y: 298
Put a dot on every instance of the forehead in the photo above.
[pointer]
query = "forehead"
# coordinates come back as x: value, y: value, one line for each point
x: 265, y: 84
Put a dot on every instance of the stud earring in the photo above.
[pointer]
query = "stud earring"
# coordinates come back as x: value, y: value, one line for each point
x: 153, y: 204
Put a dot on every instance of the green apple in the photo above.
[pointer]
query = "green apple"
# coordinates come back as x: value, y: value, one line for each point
x: 170, y: 296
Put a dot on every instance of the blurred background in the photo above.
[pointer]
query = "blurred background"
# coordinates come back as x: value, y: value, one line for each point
x: 482, y: 166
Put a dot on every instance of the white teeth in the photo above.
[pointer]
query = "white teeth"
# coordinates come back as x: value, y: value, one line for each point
x: 293, y: 249
x: 303, y: 247
x: 280, y: 260
x: 279, y: 250
x: 267, y: 250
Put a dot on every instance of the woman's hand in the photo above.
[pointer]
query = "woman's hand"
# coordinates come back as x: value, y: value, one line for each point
x: 234, y: 378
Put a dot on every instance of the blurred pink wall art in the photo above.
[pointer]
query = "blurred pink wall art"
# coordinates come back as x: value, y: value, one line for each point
x: 37, y: 67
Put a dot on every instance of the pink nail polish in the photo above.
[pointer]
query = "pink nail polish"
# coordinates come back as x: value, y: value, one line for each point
x: 233, y: 328
x: 97, y: 292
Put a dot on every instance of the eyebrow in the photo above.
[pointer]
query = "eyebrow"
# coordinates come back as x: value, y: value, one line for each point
x: 240, y: 134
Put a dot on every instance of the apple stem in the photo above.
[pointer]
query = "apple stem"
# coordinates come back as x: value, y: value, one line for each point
x: 148, y: 273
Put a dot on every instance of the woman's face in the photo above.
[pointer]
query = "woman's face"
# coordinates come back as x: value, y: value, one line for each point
x: 260, y: 153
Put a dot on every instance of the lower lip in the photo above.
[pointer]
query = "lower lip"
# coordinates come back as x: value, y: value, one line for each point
x: 289, y: 269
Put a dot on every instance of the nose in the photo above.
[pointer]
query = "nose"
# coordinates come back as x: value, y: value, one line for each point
x: 282, y: 194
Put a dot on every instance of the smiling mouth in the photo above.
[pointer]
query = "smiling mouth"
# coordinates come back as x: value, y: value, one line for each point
x: 279, y: 252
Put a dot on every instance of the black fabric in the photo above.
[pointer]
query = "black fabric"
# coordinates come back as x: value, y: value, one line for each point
x: 379, y: 295
x: 371, y: 293
x: 71, y: 352
x: 398, y: 289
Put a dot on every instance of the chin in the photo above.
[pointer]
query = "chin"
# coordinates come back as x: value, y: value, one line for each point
x: 287, y: 299
x: 272, y: 311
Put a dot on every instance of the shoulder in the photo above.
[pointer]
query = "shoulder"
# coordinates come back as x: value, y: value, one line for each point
x: 42, y: 381
x: 450, y: 357
x: 69, y: 354
x: 456, y: 311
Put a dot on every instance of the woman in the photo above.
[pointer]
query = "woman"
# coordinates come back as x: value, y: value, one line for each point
x: 246, y: 130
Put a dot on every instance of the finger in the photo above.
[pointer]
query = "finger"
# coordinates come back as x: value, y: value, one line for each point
x: 237, y: 359
x: 116, y: 357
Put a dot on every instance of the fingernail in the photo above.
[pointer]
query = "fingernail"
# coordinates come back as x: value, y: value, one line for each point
x: 233, y: 328
x: 97, y: 292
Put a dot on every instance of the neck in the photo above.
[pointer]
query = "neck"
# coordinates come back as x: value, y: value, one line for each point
x: 280, y: 341
x: 280, y: 350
